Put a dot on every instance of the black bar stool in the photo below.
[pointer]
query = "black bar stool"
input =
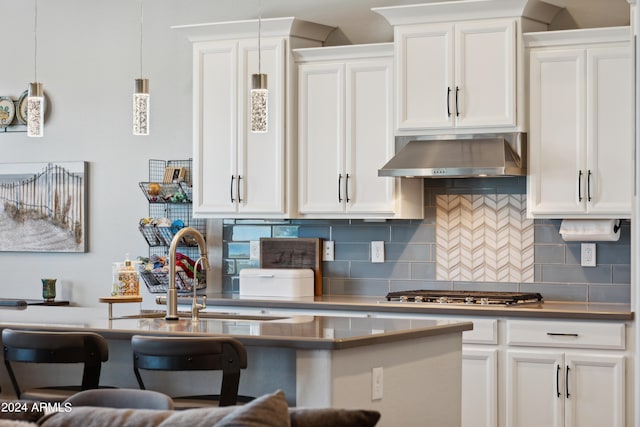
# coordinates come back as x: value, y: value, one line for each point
x: 88, y: 348
x: 193, y: 354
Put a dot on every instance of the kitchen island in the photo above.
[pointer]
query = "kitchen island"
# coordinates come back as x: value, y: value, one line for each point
x: 319, y: 361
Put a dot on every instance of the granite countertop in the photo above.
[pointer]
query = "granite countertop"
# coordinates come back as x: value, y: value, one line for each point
x: 547, y: 309
x: 299, y: 332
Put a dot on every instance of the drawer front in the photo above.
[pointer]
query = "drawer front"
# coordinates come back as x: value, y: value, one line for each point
x: 596, y: 335
x: 485, y: 331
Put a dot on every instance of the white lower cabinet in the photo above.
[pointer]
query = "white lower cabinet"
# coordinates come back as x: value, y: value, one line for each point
x: 479, y: 387
x: 556, y: 387
x: 530, y: 373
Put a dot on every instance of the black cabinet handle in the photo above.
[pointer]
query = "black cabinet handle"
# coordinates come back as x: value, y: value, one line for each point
x: 231, y: 188
x: 579, y: 185
x: 346, y: 186
x: 566, y: 382
x: 457, y: 106
x: 561, y: 334
x: 339, y: 188
x: 558, y: 380
x: 589, y: 185
x: 238, y: 192
x: 448, y: 101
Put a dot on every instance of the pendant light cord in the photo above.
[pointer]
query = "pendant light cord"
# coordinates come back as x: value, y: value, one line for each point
x: 35, y: 42
x: 141, y: 22
x: 259, y: 36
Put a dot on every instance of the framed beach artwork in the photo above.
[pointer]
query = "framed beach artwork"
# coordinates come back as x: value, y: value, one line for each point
x: 43, y: 207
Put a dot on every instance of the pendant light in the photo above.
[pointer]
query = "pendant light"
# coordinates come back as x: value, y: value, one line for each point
x: 35, y: 96
x: 259, y: 92
x: 141, y: 94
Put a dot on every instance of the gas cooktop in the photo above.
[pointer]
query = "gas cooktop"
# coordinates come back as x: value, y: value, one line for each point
x: 465, y: 297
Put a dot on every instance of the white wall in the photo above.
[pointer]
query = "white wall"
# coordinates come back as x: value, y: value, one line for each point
x: 87, y: 60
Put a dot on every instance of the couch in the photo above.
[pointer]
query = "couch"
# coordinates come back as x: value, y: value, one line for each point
x: 269, y: 410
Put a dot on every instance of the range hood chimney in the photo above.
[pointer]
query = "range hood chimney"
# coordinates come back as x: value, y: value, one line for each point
x: 459, y: 156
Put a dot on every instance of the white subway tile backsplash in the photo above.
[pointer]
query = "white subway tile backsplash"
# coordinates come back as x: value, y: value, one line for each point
x: 499, y: 244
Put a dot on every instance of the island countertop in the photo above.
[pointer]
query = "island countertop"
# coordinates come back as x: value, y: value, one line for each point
x: 544, y: 310
x: 299, y: 332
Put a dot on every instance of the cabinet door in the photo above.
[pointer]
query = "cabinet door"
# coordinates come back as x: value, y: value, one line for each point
x: 610, y: 130
x: 369, y: 137
x: 557, y: 154
x: 424, y: 66
x: 485, y: 73
x: 215, y: 100
x: 261, y: 156
x: 479, y: 387
x: 321, y: 142
x: 595, y: 390
x: 534, y: 392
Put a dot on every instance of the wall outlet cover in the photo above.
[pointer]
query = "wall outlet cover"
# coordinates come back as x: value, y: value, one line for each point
x: 588, y: 255
x: 328, y: 250
x: 377, y: 251
x: 254, y: 250
x: 376, y: 383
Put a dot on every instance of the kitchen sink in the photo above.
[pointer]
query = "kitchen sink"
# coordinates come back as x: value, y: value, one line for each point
x: 160, y: 314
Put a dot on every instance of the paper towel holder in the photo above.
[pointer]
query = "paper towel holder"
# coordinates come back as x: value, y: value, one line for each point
x: 590, y: 230
x: 617, y: 226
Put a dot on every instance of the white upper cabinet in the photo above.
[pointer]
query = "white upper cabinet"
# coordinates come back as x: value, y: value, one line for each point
x: 456, y: 75
x: 237, y: 173
x: 460, y: 65
x: 581, y: 123
x: 346, y: 135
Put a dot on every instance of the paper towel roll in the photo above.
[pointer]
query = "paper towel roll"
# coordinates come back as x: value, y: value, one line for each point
x: 590, y: 230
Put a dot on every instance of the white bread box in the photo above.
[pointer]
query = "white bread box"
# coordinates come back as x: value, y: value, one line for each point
x: 276, y: 282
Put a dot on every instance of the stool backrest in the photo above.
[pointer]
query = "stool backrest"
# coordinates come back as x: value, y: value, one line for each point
x: 121, y: 398
x: 25, y: 346
x: 192, y: 354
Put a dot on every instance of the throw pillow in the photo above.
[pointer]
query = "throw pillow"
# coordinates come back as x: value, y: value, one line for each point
x: 270, y: 410
x: 327, y: 417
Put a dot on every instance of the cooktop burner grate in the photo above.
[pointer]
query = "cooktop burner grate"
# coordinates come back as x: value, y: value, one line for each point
x: 465, y: 297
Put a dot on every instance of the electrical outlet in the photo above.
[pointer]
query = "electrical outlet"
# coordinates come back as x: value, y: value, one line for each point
x: 376, y: 383
x: 588, y: 255
x: 377, y: 251
x: 254, y: 250
x: 327, y: 253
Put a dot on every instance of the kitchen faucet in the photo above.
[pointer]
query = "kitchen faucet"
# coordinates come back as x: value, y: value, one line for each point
x: 172, y: 292
x: 195, y: 306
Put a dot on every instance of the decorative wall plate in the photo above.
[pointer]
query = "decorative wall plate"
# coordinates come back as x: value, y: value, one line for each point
x: 7, y: 111
x: 21, y: 112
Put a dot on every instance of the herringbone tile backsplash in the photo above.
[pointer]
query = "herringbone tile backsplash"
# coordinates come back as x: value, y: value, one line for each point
x: 483, y: 238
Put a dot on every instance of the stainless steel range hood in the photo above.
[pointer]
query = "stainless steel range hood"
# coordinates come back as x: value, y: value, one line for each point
x: 459, y: 156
